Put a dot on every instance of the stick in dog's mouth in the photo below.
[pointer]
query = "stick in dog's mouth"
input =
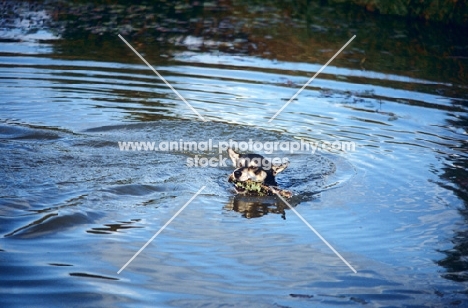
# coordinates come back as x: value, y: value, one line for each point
x: 250, y: 187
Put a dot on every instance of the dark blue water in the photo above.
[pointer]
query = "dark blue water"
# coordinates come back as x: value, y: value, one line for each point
x: 74, y: 207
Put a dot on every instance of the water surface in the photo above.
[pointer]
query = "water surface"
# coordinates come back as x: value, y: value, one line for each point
x: 75, y: 208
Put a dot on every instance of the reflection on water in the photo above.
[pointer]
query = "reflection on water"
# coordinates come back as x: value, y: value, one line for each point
x: 74, y: 207
x: 252, y: 207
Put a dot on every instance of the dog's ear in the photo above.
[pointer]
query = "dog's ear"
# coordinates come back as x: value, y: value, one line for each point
x: 278, y: 168
x: 234, y: 156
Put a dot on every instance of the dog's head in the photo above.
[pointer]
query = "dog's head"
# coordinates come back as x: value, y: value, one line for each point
x: 255, y: 174
x: 254, y: 167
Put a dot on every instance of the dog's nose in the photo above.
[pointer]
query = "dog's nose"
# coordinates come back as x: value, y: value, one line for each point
x: 237, y: 174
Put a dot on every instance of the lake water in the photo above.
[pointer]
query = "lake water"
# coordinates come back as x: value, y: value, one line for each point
x: 75, y: 207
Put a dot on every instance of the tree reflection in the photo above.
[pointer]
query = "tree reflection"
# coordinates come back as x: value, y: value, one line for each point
x: 455, y: 178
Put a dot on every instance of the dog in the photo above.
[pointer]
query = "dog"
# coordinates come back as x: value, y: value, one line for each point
x: 254, y: 167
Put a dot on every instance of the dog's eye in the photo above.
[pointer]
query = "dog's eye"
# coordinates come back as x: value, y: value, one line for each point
x: 257, y: 171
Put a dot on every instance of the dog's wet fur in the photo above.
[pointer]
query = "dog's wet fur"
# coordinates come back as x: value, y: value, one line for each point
x: 254, y: 167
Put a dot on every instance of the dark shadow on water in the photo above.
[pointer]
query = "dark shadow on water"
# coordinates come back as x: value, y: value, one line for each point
x: 454, y: 177
x: 52, y: 223
x: 86, y: 275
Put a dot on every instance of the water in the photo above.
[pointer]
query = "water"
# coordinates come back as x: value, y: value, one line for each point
x: 75, y: 208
